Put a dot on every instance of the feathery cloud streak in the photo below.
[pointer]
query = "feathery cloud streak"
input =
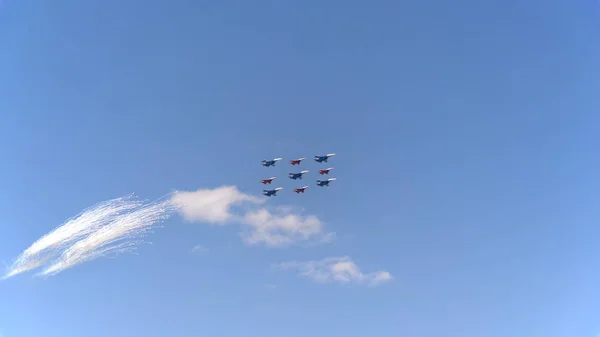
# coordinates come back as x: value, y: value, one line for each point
x: 121, y: 235
x: 337, y: 269
x: 86, y: 222
x: 108, y: 227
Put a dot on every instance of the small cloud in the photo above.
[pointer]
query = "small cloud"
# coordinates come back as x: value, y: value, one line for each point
x: 282, y: 228
x: 199, y: 249
x: 211, y: 205
x: 267, y: 287
x: 337, y: 269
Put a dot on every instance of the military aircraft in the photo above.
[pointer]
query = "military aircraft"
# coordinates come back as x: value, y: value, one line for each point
x: 271, y: 162
x: 297, y: 175
x: 268, y: 180
x: 273, y: 192
x: 296, y: 161
x: 325, y: 182
x: 325, y: 171
x: 301, y: 189
x: 320, y: 159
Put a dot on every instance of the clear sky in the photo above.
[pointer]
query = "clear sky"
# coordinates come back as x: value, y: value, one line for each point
x: 466, y: 135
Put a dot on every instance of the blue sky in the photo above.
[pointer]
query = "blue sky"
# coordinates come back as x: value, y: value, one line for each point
x: 466, y: 142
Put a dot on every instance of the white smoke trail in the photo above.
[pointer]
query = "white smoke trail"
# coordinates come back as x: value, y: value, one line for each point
x: 79, y: 226
x: 95, y: 228
x: 106, y: 240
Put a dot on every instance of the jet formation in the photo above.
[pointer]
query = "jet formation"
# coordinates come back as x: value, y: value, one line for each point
x: 297, y: 175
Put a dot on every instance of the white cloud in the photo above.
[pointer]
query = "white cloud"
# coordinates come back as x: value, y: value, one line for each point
x: 277, y: 228
x: 199, y: 249
x: 282, y: 228
x: 337, y: 269
x: 211, y: 205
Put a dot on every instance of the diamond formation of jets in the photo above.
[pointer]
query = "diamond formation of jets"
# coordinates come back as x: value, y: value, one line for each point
x: 298, y: 175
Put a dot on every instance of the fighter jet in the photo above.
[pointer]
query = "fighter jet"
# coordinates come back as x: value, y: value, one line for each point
x: 320, y: 159
x: 296, y: 161
x: 268, y: 180
x: 325, y: 171
x: 297, y: 175
x: 325, y: 182
x: 301, y: 189
x: 272, y: 192
x: 271, y: 162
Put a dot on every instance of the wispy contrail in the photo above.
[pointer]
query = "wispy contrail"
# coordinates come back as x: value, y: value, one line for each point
x: 106, y: 240
x: 86, y: 222
x: 95, y: 228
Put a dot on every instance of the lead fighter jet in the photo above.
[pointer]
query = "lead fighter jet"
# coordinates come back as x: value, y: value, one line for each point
x: 320, y: 159
x: 272, y: 192
x: 271, y: 162
x: 325, y: 182
x: 297, y: 175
